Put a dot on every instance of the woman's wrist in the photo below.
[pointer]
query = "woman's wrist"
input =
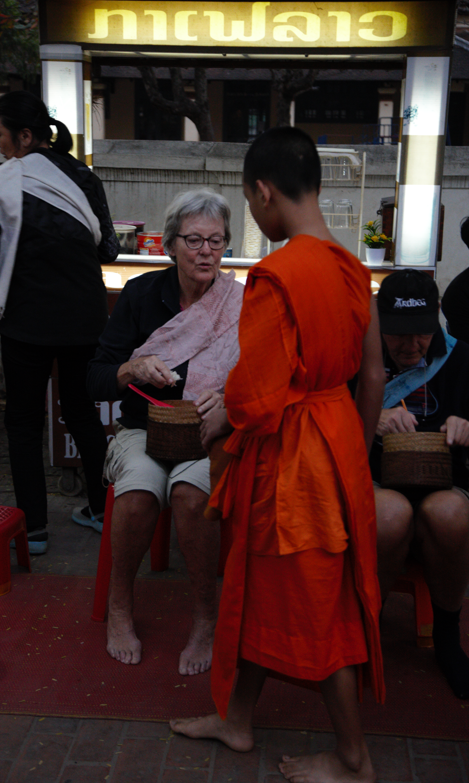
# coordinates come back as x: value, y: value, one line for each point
x: 124, y: 376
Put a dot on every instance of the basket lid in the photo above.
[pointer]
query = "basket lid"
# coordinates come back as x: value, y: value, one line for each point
x: 415, y: 441
x: 181, y: 412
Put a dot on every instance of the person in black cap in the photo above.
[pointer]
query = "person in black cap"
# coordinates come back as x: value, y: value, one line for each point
x: 455, y: 300
x: 427, y: 390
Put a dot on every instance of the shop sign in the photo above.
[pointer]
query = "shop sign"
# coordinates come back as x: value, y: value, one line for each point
x: 261, y: 24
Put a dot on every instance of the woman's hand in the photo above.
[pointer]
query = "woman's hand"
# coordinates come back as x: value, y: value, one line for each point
x: 208, y: 400
x: 214, y: 425
x: 396, y: 420
x: 144, y: 369
x: 457, y: 431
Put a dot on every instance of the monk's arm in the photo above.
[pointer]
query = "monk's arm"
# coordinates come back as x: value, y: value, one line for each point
x: 258, y: 386
x: 371, y: 378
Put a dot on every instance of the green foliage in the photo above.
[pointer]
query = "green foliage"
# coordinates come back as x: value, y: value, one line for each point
x: 373, y: 236
x: 19, y: 39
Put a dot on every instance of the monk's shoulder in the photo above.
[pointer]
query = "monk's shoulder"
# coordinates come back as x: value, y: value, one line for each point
x: 342, y: 255
x: 351, y: 266
x: 305, y: 249
x: 295, y: 254
x: 312, y: 258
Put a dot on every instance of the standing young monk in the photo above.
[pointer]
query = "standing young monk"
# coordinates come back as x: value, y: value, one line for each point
x: 300, y: 594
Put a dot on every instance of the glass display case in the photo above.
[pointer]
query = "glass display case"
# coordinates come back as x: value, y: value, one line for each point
x: 341, y: 169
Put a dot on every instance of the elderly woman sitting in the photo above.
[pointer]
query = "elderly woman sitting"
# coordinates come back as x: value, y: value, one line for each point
x: 182, y: 319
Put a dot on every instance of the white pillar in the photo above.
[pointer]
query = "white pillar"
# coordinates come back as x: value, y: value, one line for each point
x: 421, y: 160
x: 66, y: 91
x: 398, y: 167
x: 190, y: 130
x: 98, y: 112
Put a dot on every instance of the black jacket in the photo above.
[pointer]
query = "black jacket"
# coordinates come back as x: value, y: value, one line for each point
x: 145, y: 304
x: 455, y: 306
x: 57, y: 295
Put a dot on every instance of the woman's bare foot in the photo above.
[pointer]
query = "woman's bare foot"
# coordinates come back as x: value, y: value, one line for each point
x: 213, y: 727
x: 122, y: 642
x: 326, y: 767
x: 196, y: 658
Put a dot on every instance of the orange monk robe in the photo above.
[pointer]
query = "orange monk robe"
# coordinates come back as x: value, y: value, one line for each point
x: 300, y: 593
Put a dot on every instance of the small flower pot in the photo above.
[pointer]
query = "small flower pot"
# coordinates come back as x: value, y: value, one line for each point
x: 375, y: 255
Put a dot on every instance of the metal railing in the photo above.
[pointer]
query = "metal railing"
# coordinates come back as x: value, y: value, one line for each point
x: 386, y: 131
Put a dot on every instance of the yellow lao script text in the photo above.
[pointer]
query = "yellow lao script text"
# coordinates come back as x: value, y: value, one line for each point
x: 197, y: 25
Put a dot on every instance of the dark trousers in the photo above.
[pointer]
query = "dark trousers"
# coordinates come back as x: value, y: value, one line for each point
x: 27, y: 369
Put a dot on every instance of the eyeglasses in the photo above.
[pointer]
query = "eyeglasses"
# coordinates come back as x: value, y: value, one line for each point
x: 195, y: 241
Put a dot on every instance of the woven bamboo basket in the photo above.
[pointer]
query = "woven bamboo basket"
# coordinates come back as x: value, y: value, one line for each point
x: 174, y: 433
x: 416, y: 459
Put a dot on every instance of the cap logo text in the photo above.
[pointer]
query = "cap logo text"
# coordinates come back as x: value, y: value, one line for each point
x: 409, y: 302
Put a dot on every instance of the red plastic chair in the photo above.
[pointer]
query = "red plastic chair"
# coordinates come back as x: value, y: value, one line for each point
x: 12, y: 525
x: 159, y: 552
x: 413, y: 582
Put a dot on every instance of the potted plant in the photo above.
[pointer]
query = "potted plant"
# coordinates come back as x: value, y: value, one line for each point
x: 374, y: 240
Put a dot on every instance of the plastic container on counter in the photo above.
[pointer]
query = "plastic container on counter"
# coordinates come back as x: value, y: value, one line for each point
x: 149, y: 243
x: 139, y: 224
x: 125, y: 233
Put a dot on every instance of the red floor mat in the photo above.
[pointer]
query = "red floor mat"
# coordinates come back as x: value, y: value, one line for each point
x: 53, y: 662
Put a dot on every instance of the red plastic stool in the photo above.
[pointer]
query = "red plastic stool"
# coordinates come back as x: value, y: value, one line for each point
x: 413, y: 582
x: 12, y: 525
x: 159, y: 551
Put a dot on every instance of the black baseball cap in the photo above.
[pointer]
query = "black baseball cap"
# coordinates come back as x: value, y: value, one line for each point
x: 408, y: 303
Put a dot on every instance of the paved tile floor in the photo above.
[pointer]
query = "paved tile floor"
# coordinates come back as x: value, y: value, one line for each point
x: 65, y: 750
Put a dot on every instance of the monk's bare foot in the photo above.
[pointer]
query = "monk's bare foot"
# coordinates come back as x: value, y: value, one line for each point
x: 326, y: 767
x: 213, y: 727
x: 122, y: 642
x: 196, y: 657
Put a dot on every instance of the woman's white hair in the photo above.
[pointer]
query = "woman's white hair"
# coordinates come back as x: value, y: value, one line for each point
x: 194, y: 202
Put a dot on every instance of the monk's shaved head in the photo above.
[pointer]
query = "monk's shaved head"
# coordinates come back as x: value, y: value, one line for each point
x: 288, y: 158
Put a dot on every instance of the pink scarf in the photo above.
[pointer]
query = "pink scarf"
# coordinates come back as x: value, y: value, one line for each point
x: 206, y: 334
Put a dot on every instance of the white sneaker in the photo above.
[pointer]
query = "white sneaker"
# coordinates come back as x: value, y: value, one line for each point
x: 85, y: 517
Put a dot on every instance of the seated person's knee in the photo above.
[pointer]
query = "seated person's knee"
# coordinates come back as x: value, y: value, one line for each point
x: 189, y: 496
x: 394, y: 517
x: 135, y: 504
x: 445, y: 505
x: 445, y: 515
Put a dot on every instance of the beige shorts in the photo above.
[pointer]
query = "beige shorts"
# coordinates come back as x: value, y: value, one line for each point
x: 129, y: 468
